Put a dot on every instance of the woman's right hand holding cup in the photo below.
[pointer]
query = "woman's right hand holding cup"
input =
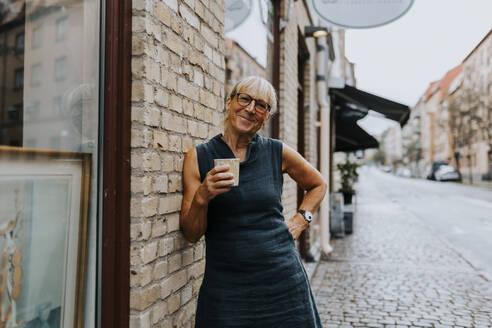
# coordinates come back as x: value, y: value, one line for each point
x: 217, y: 181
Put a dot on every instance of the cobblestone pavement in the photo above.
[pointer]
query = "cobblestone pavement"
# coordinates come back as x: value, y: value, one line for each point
x: 394, y: 272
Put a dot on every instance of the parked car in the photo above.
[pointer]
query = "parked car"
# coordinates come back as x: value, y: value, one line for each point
x: 403, y: 172
x: 431, y: 171
x: 386, y: 168
x: 447, y: 173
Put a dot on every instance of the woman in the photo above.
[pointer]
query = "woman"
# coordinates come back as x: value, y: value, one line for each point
x: 253, y: 273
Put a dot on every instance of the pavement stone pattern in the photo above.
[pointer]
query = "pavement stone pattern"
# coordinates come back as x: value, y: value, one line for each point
x: 394, y: 272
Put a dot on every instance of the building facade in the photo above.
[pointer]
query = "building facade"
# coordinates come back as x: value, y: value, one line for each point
x: 116, y: 94
x: 455, y: 117
x: 412, y: 141
x: 472, y: 113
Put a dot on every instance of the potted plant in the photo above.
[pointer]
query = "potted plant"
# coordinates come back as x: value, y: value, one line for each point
x: 349, y: 175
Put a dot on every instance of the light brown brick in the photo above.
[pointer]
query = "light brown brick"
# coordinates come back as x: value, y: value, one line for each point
x: 149, y: 206
x: 168, y: 163
x: 175, y: 183
x: 160, y: 270
x: 177, y: 280
x: 142, y: 298
x: 198, y: 252
x: 141, y: 230
x: 207, y: 99
x: 189, y: 16
x: 209, y: 35
x: 174, y: 262
x: 187, y: 89
x: 148, y: 252
x: 188, y: 107
x: 186, y: 294
x: 141, y: 184
x: 162, y: 13
x: 161, y: 141
x: 173, y: 303
x: 166, y: 246
x: 158, y: 228
x: 173, y: 222
x: 141, y: 275
x: 162, y: 97
x: 176, y: 103
x: 160, y: 184
x: 140, y: 320
x: 173, y: 4
x: 169, y: 204
x: 187, y: 144
x: 196, y: 269
x: 188, y: 256
x: 158, y: 311
x: 174, y: 143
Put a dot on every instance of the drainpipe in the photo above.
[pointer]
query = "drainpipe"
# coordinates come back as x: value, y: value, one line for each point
x: 324, y: 106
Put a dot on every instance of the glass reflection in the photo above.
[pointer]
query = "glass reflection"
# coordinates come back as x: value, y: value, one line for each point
x: 57, y: 108
x: 49, y: 99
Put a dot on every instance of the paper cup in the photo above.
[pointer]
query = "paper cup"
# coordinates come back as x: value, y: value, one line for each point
x: 233, y: 167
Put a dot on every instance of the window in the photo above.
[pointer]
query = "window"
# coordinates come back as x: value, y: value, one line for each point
x: 32, y: 111
x: 61, y: 28
x: 18, y: 79
x: 19, y: 42
x: 30, y: 143
x: 14, y: 112
x: 55, y: 142
x: 37, y: 37
x: 57, y: 106
x: 42, y: 44
x: 36, y: 75
x: 61, y: 68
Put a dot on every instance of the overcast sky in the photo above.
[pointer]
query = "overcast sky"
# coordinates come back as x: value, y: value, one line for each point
x: 399, y: 60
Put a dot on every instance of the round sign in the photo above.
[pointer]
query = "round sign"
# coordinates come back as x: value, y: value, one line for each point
x: 236, y: 12
x: 361, y: 13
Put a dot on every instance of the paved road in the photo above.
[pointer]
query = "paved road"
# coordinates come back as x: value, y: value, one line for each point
x: 401, y: 267
x: 460, y: 214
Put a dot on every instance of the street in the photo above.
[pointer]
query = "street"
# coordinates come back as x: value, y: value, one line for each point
x: 420, y: 256
x: 460, y: 214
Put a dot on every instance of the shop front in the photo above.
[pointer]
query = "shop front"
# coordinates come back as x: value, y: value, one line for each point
x: 57, y: 125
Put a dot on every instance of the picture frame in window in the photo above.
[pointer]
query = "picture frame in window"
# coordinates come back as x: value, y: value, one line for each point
x: 44, y: 196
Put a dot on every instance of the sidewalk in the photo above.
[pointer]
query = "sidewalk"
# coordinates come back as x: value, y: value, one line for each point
x: 481, y: 184
x: 393, y: 272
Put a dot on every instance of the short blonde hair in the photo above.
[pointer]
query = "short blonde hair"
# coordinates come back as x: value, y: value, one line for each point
x: 260, y: 88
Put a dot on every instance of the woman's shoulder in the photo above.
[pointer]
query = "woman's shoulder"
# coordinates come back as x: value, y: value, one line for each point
x: 208, y: 143
x: 272, y: 142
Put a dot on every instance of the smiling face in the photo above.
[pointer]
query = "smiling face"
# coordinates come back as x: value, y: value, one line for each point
x: 245, y: 119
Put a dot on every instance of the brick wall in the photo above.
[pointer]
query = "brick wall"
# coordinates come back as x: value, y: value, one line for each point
x: 177, y: 103
x: 288, y: 95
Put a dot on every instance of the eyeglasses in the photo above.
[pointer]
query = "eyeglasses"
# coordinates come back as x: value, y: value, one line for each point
x: 261, y: 107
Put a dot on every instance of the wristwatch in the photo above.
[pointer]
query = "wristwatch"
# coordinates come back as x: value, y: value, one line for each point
x: 308, y: 216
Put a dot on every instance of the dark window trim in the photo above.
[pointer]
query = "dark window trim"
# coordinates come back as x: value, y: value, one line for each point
x: 276, y: 67
x: 115, y: 270
x: 16, y: 86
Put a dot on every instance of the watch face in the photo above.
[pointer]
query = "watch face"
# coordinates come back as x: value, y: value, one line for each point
x: 307, y: 215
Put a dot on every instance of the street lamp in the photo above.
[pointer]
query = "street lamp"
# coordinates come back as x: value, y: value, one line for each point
x: 315, y: 31
x: 319, y: 32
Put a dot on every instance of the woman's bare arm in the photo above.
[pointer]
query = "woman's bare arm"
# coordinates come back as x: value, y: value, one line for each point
x: 196, y: 195
x: 309, y: 179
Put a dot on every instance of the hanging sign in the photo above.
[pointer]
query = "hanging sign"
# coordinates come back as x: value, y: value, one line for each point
x: 361, y: 13
x: 236, y: 12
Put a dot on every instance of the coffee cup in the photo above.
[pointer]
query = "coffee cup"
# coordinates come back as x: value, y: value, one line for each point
x: 233, y: 164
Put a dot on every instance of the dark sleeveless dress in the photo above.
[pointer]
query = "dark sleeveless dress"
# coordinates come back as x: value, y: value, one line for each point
x: 254, y: 276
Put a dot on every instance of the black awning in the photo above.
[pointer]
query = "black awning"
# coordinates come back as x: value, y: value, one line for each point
x: 351, y: 137
x: 390, y: 109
